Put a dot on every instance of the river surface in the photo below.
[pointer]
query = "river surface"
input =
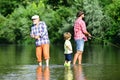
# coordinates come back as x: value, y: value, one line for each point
x: 18, y: 62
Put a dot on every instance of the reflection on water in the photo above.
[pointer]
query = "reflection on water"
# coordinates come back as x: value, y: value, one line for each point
x: 43, y: 73
x: 19, y: 72
x: 78, y: 73
x: 17, y: 54
x: 39, y: 73
x: 68, y: 75
x: 18, y: 62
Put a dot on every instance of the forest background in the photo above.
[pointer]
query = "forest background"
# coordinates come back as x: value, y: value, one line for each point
x: 101, y: 16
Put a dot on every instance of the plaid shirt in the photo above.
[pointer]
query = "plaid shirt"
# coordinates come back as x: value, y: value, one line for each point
x: 79, y: 29
x: 41, y: 31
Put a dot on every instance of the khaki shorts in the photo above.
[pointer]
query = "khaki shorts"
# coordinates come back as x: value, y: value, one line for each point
x: 42, y: 50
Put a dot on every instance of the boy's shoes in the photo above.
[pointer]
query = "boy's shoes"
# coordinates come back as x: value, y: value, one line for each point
x: 67, y: 64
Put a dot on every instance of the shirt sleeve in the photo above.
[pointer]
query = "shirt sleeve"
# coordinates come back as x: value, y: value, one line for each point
x: 44, y: 29
x: 83, y: 27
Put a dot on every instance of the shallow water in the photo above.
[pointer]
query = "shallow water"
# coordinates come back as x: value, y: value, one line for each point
x: 99, y: 63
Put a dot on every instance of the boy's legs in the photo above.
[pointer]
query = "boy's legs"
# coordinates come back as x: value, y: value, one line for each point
x: 68, y: 58
x: 65, y: 63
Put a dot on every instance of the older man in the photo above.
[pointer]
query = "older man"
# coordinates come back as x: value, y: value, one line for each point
x: 40, y: 34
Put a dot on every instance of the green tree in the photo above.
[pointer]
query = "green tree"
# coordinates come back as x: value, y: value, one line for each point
x: 97, y: 21
x: 8, y: 6
x: 113, y: 10
x: 16, y: 28
x: 19, y: 22
x: 59, y: 16
x: 103, y: 3
x: 2, y: 21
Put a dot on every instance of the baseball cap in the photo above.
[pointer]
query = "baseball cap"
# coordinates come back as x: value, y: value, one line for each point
x: 35, y: 17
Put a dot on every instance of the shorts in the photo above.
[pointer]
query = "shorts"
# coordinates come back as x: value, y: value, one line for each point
x: 80, y: 44
x: 42, y: 50
x: 68, y: 57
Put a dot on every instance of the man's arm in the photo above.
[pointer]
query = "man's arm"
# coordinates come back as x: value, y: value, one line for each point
x: 32, y: 34
x: 44, y: 29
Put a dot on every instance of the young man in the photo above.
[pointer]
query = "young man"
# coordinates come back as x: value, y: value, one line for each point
x: 80, y: 36
x: 40, y: 34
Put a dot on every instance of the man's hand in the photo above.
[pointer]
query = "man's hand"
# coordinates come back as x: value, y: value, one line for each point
x: 89, y: 35
x: 36, y: 37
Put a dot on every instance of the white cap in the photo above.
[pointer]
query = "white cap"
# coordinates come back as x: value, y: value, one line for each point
x: 35, y: 17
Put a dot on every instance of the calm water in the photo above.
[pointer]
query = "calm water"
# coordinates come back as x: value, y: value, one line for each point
x: 99, y: 63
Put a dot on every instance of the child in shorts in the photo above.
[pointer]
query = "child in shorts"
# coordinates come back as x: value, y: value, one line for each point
x: 67, y: 49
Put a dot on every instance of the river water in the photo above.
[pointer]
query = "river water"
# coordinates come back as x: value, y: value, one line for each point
x: 18, y: 62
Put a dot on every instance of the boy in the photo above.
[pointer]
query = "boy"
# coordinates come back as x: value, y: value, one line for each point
x: 67, y: 49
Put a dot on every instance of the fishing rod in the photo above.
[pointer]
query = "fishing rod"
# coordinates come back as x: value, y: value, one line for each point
x: 105, y: 41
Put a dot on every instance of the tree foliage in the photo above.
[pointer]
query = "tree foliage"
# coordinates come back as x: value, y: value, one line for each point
x: 102, y: 18
x: 113, y: 10
x: 95, y: 18
x: 19, y: 22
